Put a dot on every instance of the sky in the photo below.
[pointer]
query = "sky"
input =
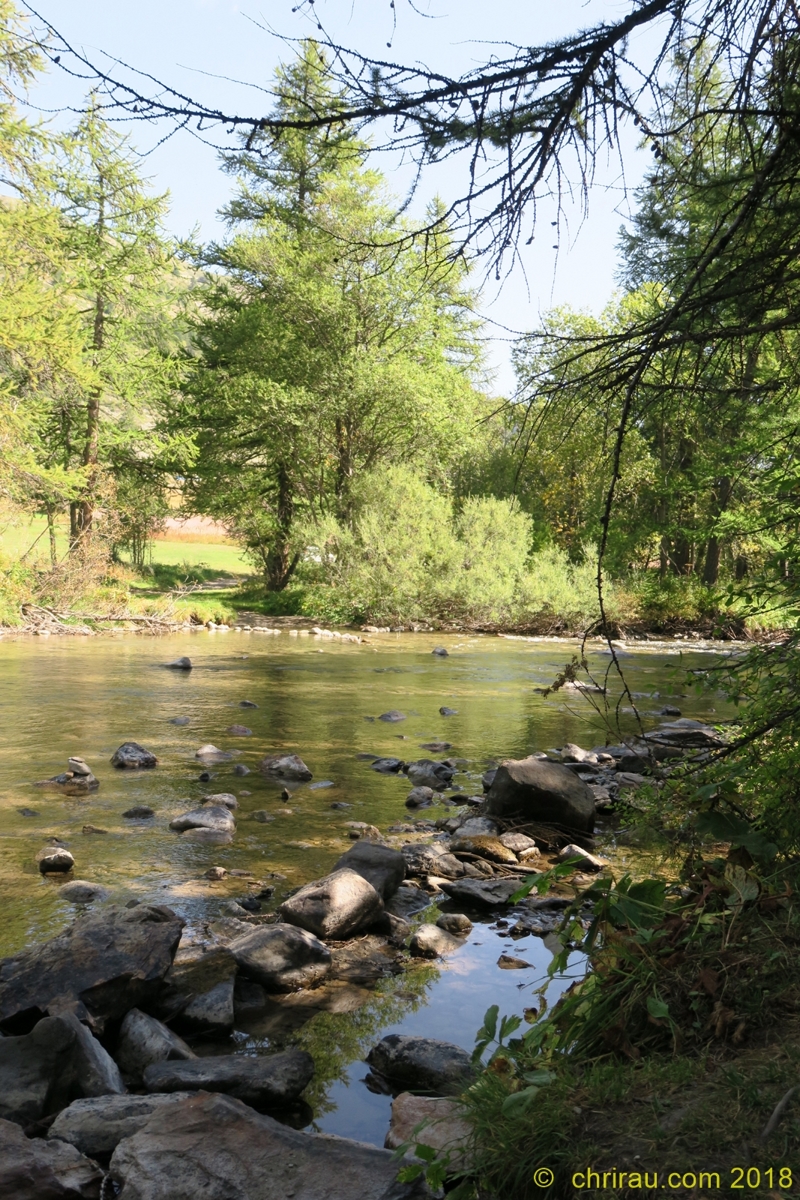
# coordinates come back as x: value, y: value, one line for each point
x: 201, y: 47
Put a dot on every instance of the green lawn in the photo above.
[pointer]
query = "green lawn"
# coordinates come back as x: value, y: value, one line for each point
x: 17, y: 539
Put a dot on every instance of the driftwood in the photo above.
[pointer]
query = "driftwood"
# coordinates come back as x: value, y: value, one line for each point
x: 48, y: 620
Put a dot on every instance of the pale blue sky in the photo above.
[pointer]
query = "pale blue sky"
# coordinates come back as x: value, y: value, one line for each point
x: 185, y: 42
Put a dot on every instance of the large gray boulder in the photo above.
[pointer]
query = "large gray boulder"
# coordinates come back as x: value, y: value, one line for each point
x: 431, y: 941
x: 35, y: 1169
x: 284, y: 766
x: 98, y: 1124
x: 482, y: 893
x: 381, y: 866
x: 217, y: 1148
x: 336, y: 906
x: 44, y: 1070
x: 144, y: 1040
x: 531, y: 789
x: 422, y: 1064
x: 211, y: 816
x: 106, y: 963
x: 282, y: 958
x: 267, y: 1080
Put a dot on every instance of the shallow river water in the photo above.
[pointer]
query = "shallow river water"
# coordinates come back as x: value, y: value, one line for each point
x: 320, y: 699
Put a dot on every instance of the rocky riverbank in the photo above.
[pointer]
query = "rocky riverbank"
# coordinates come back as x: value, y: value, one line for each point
x: 103, y: 1091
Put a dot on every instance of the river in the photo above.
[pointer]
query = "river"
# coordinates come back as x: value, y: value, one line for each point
x: 319, y: 698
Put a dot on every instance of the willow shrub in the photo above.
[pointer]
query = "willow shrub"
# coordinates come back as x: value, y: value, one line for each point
x: 411, y: 555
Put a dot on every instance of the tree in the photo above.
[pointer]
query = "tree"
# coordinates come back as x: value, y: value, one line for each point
x: 325, y: 350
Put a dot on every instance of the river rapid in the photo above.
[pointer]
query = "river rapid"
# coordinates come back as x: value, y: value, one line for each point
x: 319, y: 698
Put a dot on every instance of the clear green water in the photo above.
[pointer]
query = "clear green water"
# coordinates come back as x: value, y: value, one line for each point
x: 84, y: 696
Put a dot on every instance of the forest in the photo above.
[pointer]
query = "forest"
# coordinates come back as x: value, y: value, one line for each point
x: 315, y: 383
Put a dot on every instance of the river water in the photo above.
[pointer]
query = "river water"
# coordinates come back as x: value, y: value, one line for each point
x: 318, y: 698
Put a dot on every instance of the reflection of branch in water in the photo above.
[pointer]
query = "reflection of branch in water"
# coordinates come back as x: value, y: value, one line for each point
x: 336, y: 1039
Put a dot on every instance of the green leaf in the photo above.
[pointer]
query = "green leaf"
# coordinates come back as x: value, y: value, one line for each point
x: 540, y: 1078
x: 743, y: 887
x: 518, y: 1102
x: 425, y: 1152
x: 489, y: 1022
x: 657, y: 1008
x: 509, y: 1025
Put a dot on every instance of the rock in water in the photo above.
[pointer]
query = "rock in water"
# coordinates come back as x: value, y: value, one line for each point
x: 215, y: 1147
x: 132, y: 756
x: 422, y: 1063
x: 585, y: 860
x: 284, y: 766
x: 179, y: 720
x: 381, y: 866
x: 269, y: 1079
x: 34, y: 1169
x: 241, y: 769
x: 336, y: 906
x: 247, y: 704
x: 226, y: 798
x: 139, y: 812
x: 240, y: 731
x: 430, y: 941
x: 448, y: 712
x: 440, y: 651
x: 213, y: 816
x: 80, y: 891
x: 210, y: 753
x: 281, y: 957
x: 455, y: 923
x: 393, y: 715
x: 54, y: 860
x: 444, y: 1126
x: 107, y: 962
x: 420, y: 797
x: 429, y: 772
x: 180, y: 664
x: 98, y: 1124
x: 531, y: 789
x: 75, y: 781
x: 142, y: 1041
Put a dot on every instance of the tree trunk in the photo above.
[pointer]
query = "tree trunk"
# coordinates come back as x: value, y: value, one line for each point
x: 51, y: 529
x: 279, y: 561
x: 722, y: 495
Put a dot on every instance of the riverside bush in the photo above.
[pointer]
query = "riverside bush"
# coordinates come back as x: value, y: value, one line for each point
x: 412, y: 555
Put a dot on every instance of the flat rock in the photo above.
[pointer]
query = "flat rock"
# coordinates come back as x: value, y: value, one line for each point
x: 132, y: 756
x: 478, y: 827
x: 210, y: 1012
x: 209, y: 753
x: 433, y: 859
x: 392, y: 715
x: 215, y: 1147
x: 387, y: 766
x: 139, y: 812
x: 518, y: 842
x: 281, y: 957
x: 455, y: 923
x: 239, y: 731
x: 381, y: 866
x: 431, y: 941
x: 336, y: 906
x: 110, y: 960
x: 507, y: 962
x: 444, y: 1127
x: 269, y: 1079
x: 284, y: 766
x: 586, y: 861
x: 142, y: 1041
x: 225, y: 798
x: 72, y: 783
x: 179, y: 720
x: 80, y: 891
x: 540, y: 791
x: 448, y: 712
x: 480, y: 893
x: 35, y: 1169
x: 484, y: 846
x: 211, y: 816
x: 423, y: 1064
x: 98, y: 1124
